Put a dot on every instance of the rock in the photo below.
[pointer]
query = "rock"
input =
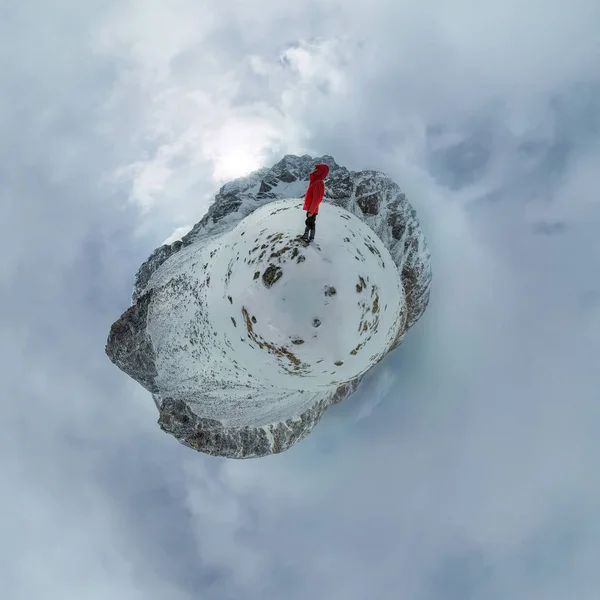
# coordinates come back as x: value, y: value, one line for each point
x: 129, y: 345
x: 243, y: 357
x: 272, y: 275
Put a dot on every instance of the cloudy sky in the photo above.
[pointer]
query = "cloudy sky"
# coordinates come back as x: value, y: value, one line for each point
x: 466, y: 467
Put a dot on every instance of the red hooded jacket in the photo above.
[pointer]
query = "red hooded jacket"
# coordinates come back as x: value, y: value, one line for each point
x: 316, y: 189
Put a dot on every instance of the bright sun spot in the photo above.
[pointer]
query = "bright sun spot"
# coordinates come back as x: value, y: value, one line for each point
x: 237, y: 148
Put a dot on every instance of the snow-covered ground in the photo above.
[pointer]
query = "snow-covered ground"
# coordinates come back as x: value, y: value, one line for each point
x: 244, y: 336
x: 251, y: 327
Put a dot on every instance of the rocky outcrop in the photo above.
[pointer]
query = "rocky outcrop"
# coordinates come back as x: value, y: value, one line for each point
x: 129, y: 345
x: 371, y: 197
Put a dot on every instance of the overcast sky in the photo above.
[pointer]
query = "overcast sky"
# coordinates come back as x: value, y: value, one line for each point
x: 466, y: 467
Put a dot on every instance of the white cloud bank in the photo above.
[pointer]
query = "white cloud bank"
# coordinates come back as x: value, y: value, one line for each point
x: 466, y: 467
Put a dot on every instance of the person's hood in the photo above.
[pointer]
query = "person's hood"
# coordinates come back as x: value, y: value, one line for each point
x: 322, y: 172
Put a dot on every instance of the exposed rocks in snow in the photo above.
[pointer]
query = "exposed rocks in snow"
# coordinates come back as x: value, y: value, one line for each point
x: 129, y: 345
x: 272, y: 275
x: 244, y: 335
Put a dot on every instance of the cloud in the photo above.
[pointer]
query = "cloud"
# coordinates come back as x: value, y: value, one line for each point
x: 177, y: 234
x: 390, y: 71
x: 465, y: 466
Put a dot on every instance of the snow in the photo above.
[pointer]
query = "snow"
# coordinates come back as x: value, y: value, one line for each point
x: 234, y: 315
x: 235, y: 328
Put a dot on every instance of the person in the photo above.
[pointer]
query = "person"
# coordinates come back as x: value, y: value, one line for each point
x: 312, y: 200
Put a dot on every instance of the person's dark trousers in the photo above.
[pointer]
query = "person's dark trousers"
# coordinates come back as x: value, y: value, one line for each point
x: 309, y: 232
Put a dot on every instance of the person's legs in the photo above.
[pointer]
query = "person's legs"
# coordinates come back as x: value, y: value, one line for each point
x: 312, y: 220
x: 307, y: 223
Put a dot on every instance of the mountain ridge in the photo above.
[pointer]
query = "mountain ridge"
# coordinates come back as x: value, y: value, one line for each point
x: 139, y: 347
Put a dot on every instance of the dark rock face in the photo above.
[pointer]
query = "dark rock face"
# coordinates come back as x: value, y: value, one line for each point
x: 346, y: 389
x: 230, y: 204
x: 129, y: 345
x: 369, y: 195
x: 154, y: 261
x: 211, y: 437
x: 369, y: 204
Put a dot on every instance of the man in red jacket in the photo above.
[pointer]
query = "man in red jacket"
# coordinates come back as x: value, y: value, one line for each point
x: 312, y: 199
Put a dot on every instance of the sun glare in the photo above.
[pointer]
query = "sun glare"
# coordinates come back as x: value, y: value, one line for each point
x: 238, y: 147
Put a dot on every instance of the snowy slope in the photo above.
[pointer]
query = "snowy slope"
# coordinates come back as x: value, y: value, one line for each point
x: 369, y: 195
x: 244, y: 335
x: 254, y: 315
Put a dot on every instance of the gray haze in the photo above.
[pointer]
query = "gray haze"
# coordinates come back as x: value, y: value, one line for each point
x: 466, y: 468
